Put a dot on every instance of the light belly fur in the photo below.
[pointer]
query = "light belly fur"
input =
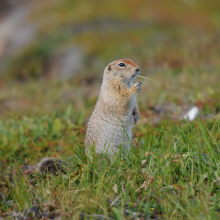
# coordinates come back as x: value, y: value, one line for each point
x: 108, y: 134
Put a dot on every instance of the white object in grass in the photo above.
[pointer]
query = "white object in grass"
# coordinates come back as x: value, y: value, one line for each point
x: 191, y: 114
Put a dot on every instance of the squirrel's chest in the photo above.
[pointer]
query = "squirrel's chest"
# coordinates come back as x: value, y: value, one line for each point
x: 117, y: 110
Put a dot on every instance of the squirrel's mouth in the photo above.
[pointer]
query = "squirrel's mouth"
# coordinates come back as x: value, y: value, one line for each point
x: 135, y: 74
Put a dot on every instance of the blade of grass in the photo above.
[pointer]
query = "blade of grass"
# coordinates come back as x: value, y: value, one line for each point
x: 148, y: 79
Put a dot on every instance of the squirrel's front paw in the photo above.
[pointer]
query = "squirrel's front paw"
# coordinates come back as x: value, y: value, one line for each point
x: 136, y: 116
x: 137, y: 86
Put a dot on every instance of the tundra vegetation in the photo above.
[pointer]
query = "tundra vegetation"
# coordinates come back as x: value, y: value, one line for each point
x: 173, y: 171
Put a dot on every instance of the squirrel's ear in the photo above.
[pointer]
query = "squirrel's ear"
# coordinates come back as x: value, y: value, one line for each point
x: 109, y: 67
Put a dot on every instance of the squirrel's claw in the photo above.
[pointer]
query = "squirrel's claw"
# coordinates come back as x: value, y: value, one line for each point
x: 137, y: 86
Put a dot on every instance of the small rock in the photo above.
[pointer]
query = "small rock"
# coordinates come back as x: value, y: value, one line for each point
x: 134, y: 215
x: 34, y: 211
x: 126, y: 212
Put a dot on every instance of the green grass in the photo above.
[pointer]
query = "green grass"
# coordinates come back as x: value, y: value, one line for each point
x: 172, y: 173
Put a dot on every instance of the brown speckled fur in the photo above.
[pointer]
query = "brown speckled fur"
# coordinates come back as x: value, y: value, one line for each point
x: 116, y: 110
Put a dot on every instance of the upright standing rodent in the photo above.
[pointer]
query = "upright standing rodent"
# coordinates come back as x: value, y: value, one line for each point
x: 110, y: 125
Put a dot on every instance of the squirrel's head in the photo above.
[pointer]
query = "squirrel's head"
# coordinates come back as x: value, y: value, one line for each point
x: 122, y: 70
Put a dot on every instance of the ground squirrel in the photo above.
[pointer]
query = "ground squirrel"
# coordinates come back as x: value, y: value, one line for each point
x: 116, y: 109
x: 110, y: 125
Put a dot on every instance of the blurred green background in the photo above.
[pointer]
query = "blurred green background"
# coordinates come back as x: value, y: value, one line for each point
x: 53, y: 53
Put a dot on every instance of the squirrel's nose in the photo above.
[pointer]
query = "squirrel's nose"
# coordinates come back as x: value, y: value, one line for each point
x: 138, y: 69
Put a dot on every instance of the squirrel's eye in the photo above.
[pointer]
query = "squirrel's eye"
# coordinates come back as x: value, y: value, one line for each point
x: 121, y: 64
